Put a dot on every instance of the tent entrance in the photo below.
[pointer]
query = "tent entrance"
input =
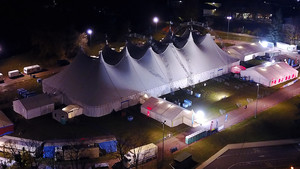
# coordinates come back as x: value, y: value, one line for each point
x: 124, y: 104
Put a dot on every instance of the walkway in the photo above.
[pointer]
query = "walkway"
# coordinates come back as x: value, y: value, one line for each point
x: 235, y: 116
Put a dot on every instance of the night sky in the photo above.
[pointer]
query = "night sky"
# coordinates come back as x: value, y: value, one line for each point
x: 20, y: 19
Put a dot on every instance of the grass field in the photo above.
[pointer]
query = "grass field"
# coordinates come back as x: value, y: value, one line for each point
x: 233, y: 36
x: 221, y: 93
x: 279, y: 122
x: 44, y: 127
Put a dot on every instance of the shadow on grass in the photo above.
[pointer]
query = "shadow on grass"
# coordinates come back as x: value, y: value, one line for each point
x: 116, y: 123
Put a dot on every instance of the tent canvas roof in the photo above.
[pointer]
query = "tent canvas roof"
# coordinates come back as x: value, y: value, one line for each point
x: 164, y: 108
x: 36, y: 101
x: 101, y: 84
x: 4, y: 120
x: 275, y: 70
x: 247, y: 48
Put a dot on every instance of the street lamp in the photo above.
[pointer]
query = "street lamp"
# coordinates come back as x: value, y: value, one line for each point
x: 155, y: 20
x: 163, y: 143
x: 90, y: 32
x: 228, y: 19
x: 256, y: 99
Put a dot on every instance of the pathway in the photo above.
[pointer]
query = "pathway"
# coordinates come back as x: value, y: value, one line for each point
x: 235, y: 116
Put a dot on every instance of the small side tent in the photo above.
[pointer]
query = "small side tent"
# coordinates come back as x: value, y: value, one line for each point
x: 163, y: 110
x: 6, y: 126
x: 34, y: 106
x: 270, y: 74
x: 247, y: 51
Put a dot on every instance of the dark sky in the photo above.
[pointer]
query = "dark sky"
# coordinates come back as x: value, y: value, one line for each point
x: 21, y: 18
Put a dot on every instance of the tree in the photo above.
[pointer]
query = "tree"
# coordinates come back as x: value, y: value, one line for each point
x: 26, y: 153
x: 291, y: 30
x: 275, y: 30
x: 126, y: 143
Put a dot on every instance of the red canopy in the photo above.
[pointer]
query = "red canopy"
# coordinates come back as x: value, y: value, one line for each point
x: 237, y: 68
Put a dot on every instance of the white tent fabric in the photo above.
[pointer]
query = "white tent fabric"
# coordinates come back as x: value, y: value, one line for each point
x: 162, y: 110
x: 270, y: 75
x: 118, y: 80
x: 34, y: 106
x: 247, y: 51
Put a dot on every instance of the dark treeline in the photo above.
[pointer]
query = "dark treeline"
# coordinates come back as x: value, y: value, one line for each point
x: 55, y: 24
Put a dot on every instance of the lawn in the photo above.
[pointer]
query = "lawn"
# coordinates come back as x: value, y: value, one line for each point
x: 224, y: 93
x: 233, y: 36
x: 280, y: 122
x: 44, y: 127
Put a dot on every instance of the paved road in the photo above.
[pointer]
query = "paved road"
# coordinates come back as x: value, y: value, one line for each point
x: 258, y: 157
x: 8, y: 84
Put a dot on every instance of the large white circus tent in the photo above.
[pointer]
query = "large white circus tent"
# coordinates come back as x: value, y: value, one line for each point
x: 117, y: 80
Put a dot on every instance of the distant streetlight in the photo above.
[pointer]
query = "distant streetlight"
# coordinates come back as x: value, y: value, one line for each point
x: 90, y: 32
x: 155, y: 20
x: 163, y: 143
x: 256, y: 99
x: 228, y: 19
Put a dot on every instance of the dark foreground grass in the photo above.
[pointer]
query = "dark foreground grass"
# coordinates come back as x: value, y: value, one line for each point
x: 280, y: 122
x: 44, y: 127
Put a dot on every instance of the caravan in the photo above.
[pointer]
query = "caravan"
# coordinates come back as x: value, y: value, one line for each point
x: 140, y: 155
x: 14, y: 73
x: 1, y: 77
x: 32, y: 69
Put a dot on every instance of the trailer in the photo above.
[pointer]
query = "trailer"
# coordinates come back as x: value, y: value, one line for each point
x: 14, y: 73
x: 1, y: 77
x: 140, y: 155
x: 32, y: 69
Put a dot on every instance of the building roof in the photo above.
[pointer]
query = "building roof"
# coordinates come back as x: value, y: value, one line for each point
x: 4, y: 120
x: 36, y: 101
x: 182, y: 156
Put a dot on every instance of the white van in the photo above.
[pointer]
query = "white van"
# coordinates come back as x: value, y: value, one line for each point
x: 14, y: 73
x: 1, y: 77
x: 32, y: 69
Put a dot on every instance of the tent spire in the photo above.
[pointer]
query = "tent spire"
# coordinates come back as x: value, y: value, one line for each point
x: 106, y: 41
x: 170, y: 27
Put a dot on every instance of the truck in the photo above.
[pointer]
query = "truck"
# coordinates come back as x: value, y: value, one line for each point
x: 1, y: 77
x: 32, y: 69
x: 14, y: 73
x: 140, y: 155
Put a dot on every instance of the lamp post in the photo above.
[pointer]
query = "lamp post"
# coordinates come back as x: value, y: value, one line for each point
x: 163, y: 143
x: 90, y: 32
x: 155, y: 20
x: 228, y: 19
x: 256, y: 99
